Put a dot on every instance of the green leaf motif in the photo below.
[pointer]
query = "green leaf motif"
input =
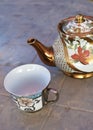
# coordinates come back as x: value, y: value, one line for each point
x: 75, y: 47
x: 75, y: 61
x: 91, y: 50
x: 70, y: 47
x: 84, y: 47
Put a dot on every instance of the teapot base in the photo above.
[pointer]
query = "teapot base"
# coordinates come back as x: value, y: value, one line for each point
x: 79, y: 75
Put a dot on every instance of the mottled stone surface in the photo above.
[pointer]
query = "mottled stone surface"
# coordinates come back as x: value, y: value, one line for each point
x: 19, y: 20
x: 65, y: 119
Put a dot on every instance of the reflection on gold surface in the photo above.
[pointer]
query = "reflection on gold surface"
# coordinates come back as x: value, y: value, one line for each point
x: 79, y: 75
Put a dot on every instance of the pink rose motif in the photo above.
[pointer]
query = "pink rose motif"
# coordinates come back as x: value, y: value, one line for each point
x: 81, y: 56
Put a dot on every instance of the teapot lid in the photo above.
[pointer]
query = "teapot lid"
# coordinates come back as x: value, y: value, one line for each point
x: 78, y: 24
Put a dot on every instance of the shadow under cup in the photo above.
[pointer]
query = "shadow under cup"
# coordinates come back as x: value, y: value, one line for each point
x: 28, y: 85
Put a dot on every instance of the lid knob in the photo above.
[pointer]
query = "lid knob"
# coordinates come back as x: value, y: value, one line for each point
x: 79, y: 18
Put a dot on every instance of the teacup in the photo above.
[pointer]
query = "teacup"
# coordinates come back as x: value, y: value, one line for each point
x: 28, y: 86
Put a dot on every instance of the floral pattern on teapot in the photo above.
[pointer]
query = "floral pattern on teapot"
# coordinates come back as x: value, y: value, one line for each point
x: 80, y: 52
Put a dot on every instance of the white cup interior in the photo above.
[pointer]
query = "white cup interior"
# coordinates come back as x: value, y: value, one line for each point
x: 27, y: 80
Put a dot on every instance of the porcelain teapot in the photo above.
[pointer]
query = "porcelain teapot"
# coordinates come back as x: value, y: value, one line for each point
x: 72, y: 51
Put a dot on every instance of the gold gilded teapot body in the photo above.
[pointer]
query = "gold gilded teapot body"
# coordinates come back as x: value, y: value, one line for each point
x: 72, y: 52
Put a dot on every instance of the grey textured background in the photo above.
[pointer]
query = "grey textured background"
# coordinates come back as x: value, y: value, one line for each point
x: 19, y: 20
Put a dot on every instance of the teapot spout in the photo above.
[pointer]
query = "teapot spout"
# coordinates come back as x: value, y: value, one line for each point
x: 46, y: 54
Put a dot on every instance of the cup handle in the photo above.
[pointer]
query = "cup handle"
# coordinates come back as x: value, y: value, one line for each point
x: 55, y: 92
